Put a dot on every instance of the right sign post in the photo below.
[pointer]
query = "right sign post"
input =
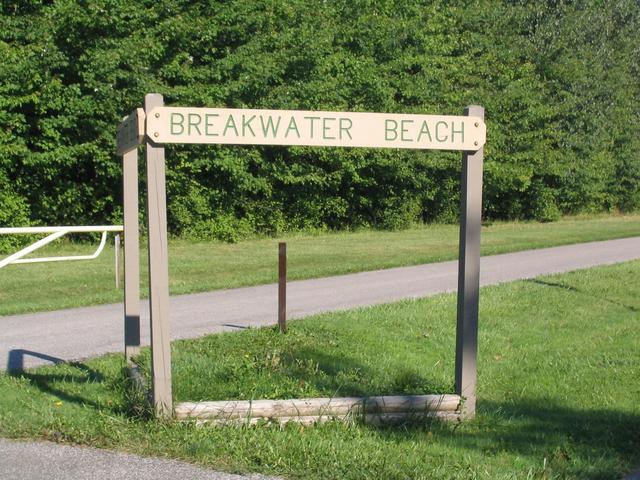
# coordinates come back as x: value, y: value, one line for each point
x: 469, y: 274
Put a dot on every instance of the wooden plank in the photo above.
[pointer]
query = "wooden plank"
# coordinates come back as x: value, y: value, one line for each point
x: 158, y: 271
x: 377, y: 419
x: 317, y: 407
x: 319, y: 129
x: 131, y: 254
x: 469, y: 275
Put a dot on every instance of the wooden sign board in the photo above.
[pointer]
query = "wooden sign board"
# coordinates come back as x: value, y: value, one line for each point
x: 130, y: 132
x: 318, y: 129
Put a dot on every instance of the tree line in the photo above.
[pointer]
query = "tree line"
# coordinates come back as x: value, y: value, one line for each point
x: 560, y: 82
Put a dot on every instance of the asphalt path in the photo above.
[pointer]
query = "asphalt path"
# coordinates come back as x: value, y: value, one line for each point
x: 50, y: 461
x: 35, y: 339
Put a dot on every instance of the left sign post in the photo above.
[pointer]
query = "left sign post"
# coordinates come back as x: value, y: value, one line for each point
x: 130, y: 134
x: 158, y: 269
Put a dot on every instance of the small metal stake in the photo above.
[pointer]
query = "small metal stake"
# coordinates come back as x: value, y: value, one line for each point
x: 282, y: 287
x: 116, y: 242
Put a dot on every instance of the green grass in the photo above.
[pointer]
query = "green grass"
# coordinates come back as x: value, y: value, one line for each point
x: 204, y: 266
x: 557, y: 397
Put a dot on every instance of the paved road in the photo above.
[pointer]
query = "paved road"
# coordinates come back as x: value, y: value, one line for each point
x: 34, y: 339
x: 50, y: 461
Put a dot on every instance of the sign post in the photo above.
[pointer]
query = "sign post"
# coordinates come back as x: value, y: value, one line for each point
x: 469, y: 274
x: 158, y: 269
x: 130, y: 134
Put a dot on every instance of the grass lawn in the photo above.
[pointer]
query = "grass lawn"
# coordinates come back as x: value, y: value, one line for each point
x: 204, y: 266
x: 558, y: 389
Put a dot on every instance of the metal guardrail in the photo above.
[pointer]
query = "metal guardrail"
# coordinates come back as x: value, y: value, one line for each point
x: 55, y: 233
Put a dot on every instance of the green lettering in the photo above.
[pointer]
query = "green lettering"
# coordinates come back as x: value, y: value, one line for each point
x: 393, y: 129
x: 404, y: 130
x: 194, y: 121
x: 246, y: 125
x: 424, y: 130
x: 270, y: 126
x: 454, y: 131
x: 326, y: 128
x: 208, y: 124
x: 312, y: 119
x: 292, y: 126
x: 179, y: 123
x: 438, y: 137
x: 231, y: 123
x: 344, y: 128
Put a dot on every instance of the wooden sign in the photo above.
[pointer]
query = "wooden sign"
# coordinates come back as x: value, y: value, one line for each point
x: 319, y: 129
x: 130, y: 132
x: 466, y: 133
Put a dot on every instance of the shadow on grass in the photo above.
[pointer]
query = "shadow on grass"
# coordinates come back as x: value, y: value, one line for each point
x: 66, y: 381
x: 574, y: 443
x: 589, y: 294
x: 46, y: 383
x: 341, y: 375
x: 15, y: 360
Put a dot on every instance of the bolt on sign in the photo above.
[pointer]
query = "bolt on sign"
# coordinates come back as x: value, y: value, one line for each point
x: 319, y: 129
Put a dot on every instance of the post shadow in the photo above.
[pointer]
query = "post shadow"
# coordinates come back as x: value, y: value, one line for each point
x: 15, y: 360
x: 46, y: 380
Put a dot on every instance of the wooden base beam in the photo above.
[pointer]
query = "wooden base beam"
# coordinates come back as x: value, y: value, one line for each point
x: 375, y: 419
x: 375, y: 410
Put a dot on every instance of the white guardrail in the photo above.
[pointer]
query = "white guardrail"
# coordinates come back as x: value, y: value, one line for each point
x: 54, y: 234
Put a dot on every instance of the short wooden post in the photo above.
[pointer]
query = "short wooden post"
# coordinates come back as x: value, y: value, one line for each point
x: 282, y: 286
x: 469, y: 274
x: 116, y: 245
x: 158, y: 268
x: 131, y: 254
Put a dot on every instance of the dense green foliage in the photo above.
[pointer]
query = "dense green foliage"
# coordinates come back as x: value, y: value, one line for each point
x: 559, y: 81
